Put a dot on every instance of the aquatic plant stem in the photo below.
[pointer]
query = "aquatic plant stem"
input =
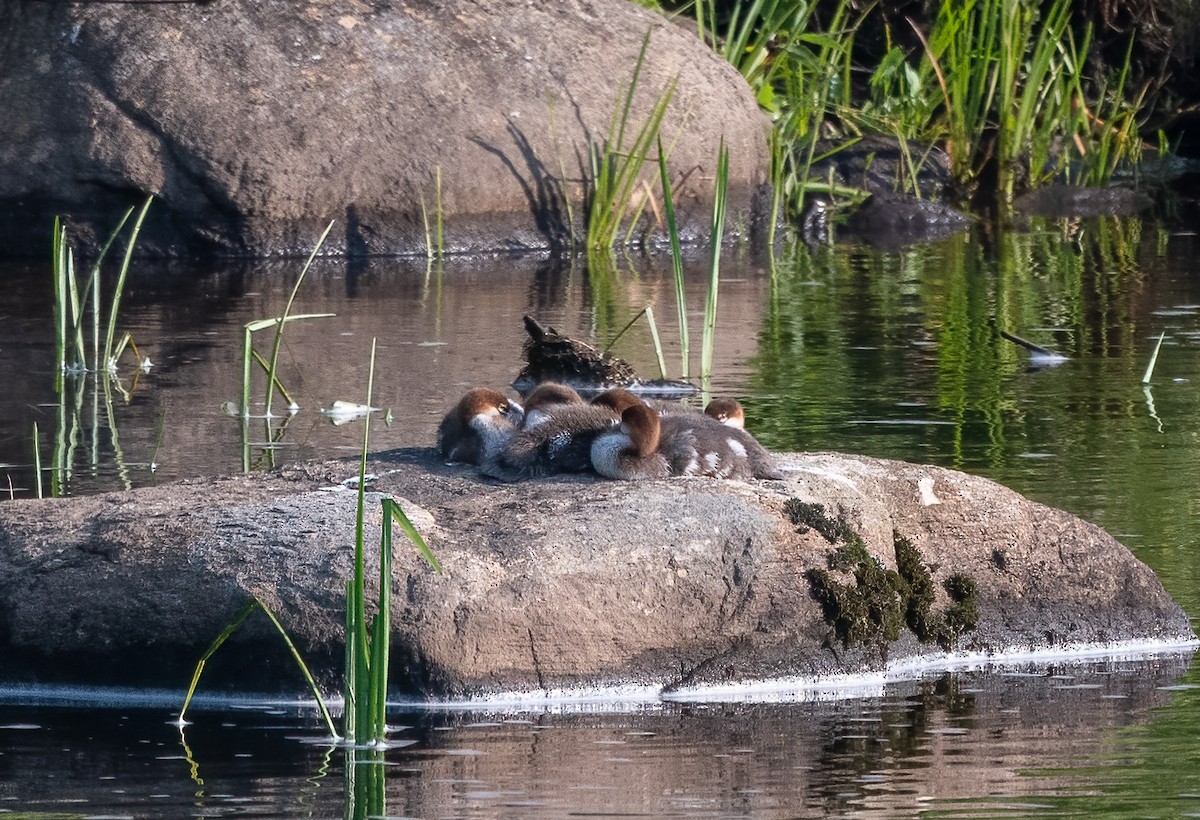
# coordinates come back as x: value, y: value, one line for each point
x: 119, y: 289
x: 676, y: 259
x: 716, y: 238
x: 284, y: 317
x: 238, y: 619
x: 1153, y: 359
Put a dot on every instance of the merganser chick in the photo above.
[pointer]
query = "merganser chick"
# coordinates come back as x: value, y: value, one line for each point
x: 559, y: 441
x: 630, y: 451
x: 647, y: 445
x: 478, y: 426
x: 619, y: 398
x: 727, y: 411
x: 545, y: 400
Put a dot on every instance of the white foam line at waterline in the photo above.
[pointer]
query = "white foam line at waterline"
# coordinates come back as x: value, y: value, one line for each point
x: 626, y: 697
x: 621, y: 697
x: 872, y: 684
x: 617, y: 697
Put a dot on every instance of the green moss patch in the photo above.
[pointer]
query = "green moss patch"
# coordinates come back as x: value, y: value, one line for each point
x: 806, y: 515
x: 881, y: 602
x: 868, y: 611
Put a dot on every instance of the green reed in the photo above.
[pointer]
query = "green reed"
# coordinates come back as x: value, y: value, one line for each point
x: 256, y: 604
x: 1153, y: 359
x: 716, y: 239
x: 70, y: 300
x: 368, y: 645
x: 676, y: 263
x: 617, y: 162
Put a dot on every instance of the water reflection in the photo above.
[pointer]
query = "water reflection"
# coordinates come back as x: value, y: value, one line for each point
x: 1089, y: 739
x: 891, y: 354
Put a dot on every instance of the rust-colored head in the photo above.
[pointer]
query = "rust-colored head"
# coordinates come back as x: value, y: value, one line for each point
x: 727, y: 411
x: 483, y: 401
x: 618, y: 400
x: 548, y: 393
x: 642, y: 426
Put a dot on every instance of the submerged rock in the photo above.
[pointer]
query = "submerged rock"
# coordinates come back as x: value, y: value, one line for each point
x: 1057, y: 201
x: 847, y: 563
x: 255, y: 124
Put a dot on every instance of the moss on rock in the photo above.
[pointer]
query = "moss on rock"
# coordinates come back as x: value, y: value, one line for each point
x: 806, y: 515
x: 880, y: 602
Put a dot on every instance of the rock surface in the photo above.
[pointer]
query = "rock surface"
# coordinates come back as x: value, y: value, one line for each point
x: 551, y: 584
x: 255, y: 123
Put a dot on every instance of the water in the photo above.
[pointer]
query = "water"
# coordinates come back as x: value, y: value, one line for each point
x: 890, y: 354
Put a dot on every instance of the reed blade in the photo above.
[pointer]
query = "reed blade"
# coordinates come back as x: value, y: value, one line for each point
x: 676, y: 260
x: 1153, y: 359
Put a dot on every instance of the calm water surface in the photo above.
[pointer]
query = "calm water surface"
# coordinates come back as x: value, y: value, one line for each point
x: 848, y: 348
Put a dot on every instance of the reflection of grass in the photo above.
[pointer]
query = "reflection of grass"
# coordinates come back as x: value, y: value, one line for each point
x: 853, y: 336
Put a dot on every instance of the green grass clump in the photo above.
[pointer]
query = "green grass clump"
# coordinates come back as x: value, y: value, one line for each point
x: 84, y: 368
x: 1005, y: 87
x: 617, y: 163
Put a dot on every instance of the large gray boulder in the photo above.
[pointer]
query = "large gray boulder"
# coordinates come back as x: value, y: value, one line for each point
x: 256, y: 122
x: 566, y: 582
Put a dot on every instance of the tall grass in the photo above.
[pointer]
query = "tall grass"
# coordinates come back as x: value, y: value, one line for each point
x: 1003, y: 85
x: 716, y: 239
x: 367, y: 642
x: 676, y: 261
x: 617, y: 162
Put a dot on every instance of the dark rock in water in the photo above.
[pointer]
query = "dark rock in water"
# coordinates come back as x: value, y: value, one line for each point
x: 256, y: 123
x: 553, y: 357
x: 881, y: 165
x: 894, y: 220
x: 1069, y: 201
x: 845, y: 565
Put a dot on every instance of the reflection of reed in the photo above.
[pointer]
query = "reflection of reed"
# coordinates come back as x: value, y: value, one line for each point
x: 366, y: 783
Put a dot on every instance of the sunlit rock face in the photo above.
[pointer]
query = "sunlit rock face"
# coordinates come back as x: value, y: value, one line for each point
x: 256, y: 123
x: 566, y: 582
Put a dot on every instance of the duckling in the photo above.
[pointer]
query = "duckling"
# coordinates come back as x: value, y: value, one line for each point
x: 647, y: 445
x: 545, y: 400
x: 631, y: 451
x: 727, y: 411
x: 557, y: 436
x: 478, y: 426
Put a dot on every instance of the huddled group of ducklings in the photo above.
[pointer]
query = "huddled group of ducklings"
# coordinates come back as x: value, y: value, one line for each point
x: 617, y: 434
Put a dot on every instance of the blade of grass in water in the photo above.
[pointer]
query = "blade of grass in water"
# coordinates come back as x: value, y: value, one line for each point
x: 676, y: 259
x: 1153, y: 359
x: 283, y: 317
x: 244, y: 613
x: 37, y: 460
x: 119, y: 289
x: 714, y: 273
